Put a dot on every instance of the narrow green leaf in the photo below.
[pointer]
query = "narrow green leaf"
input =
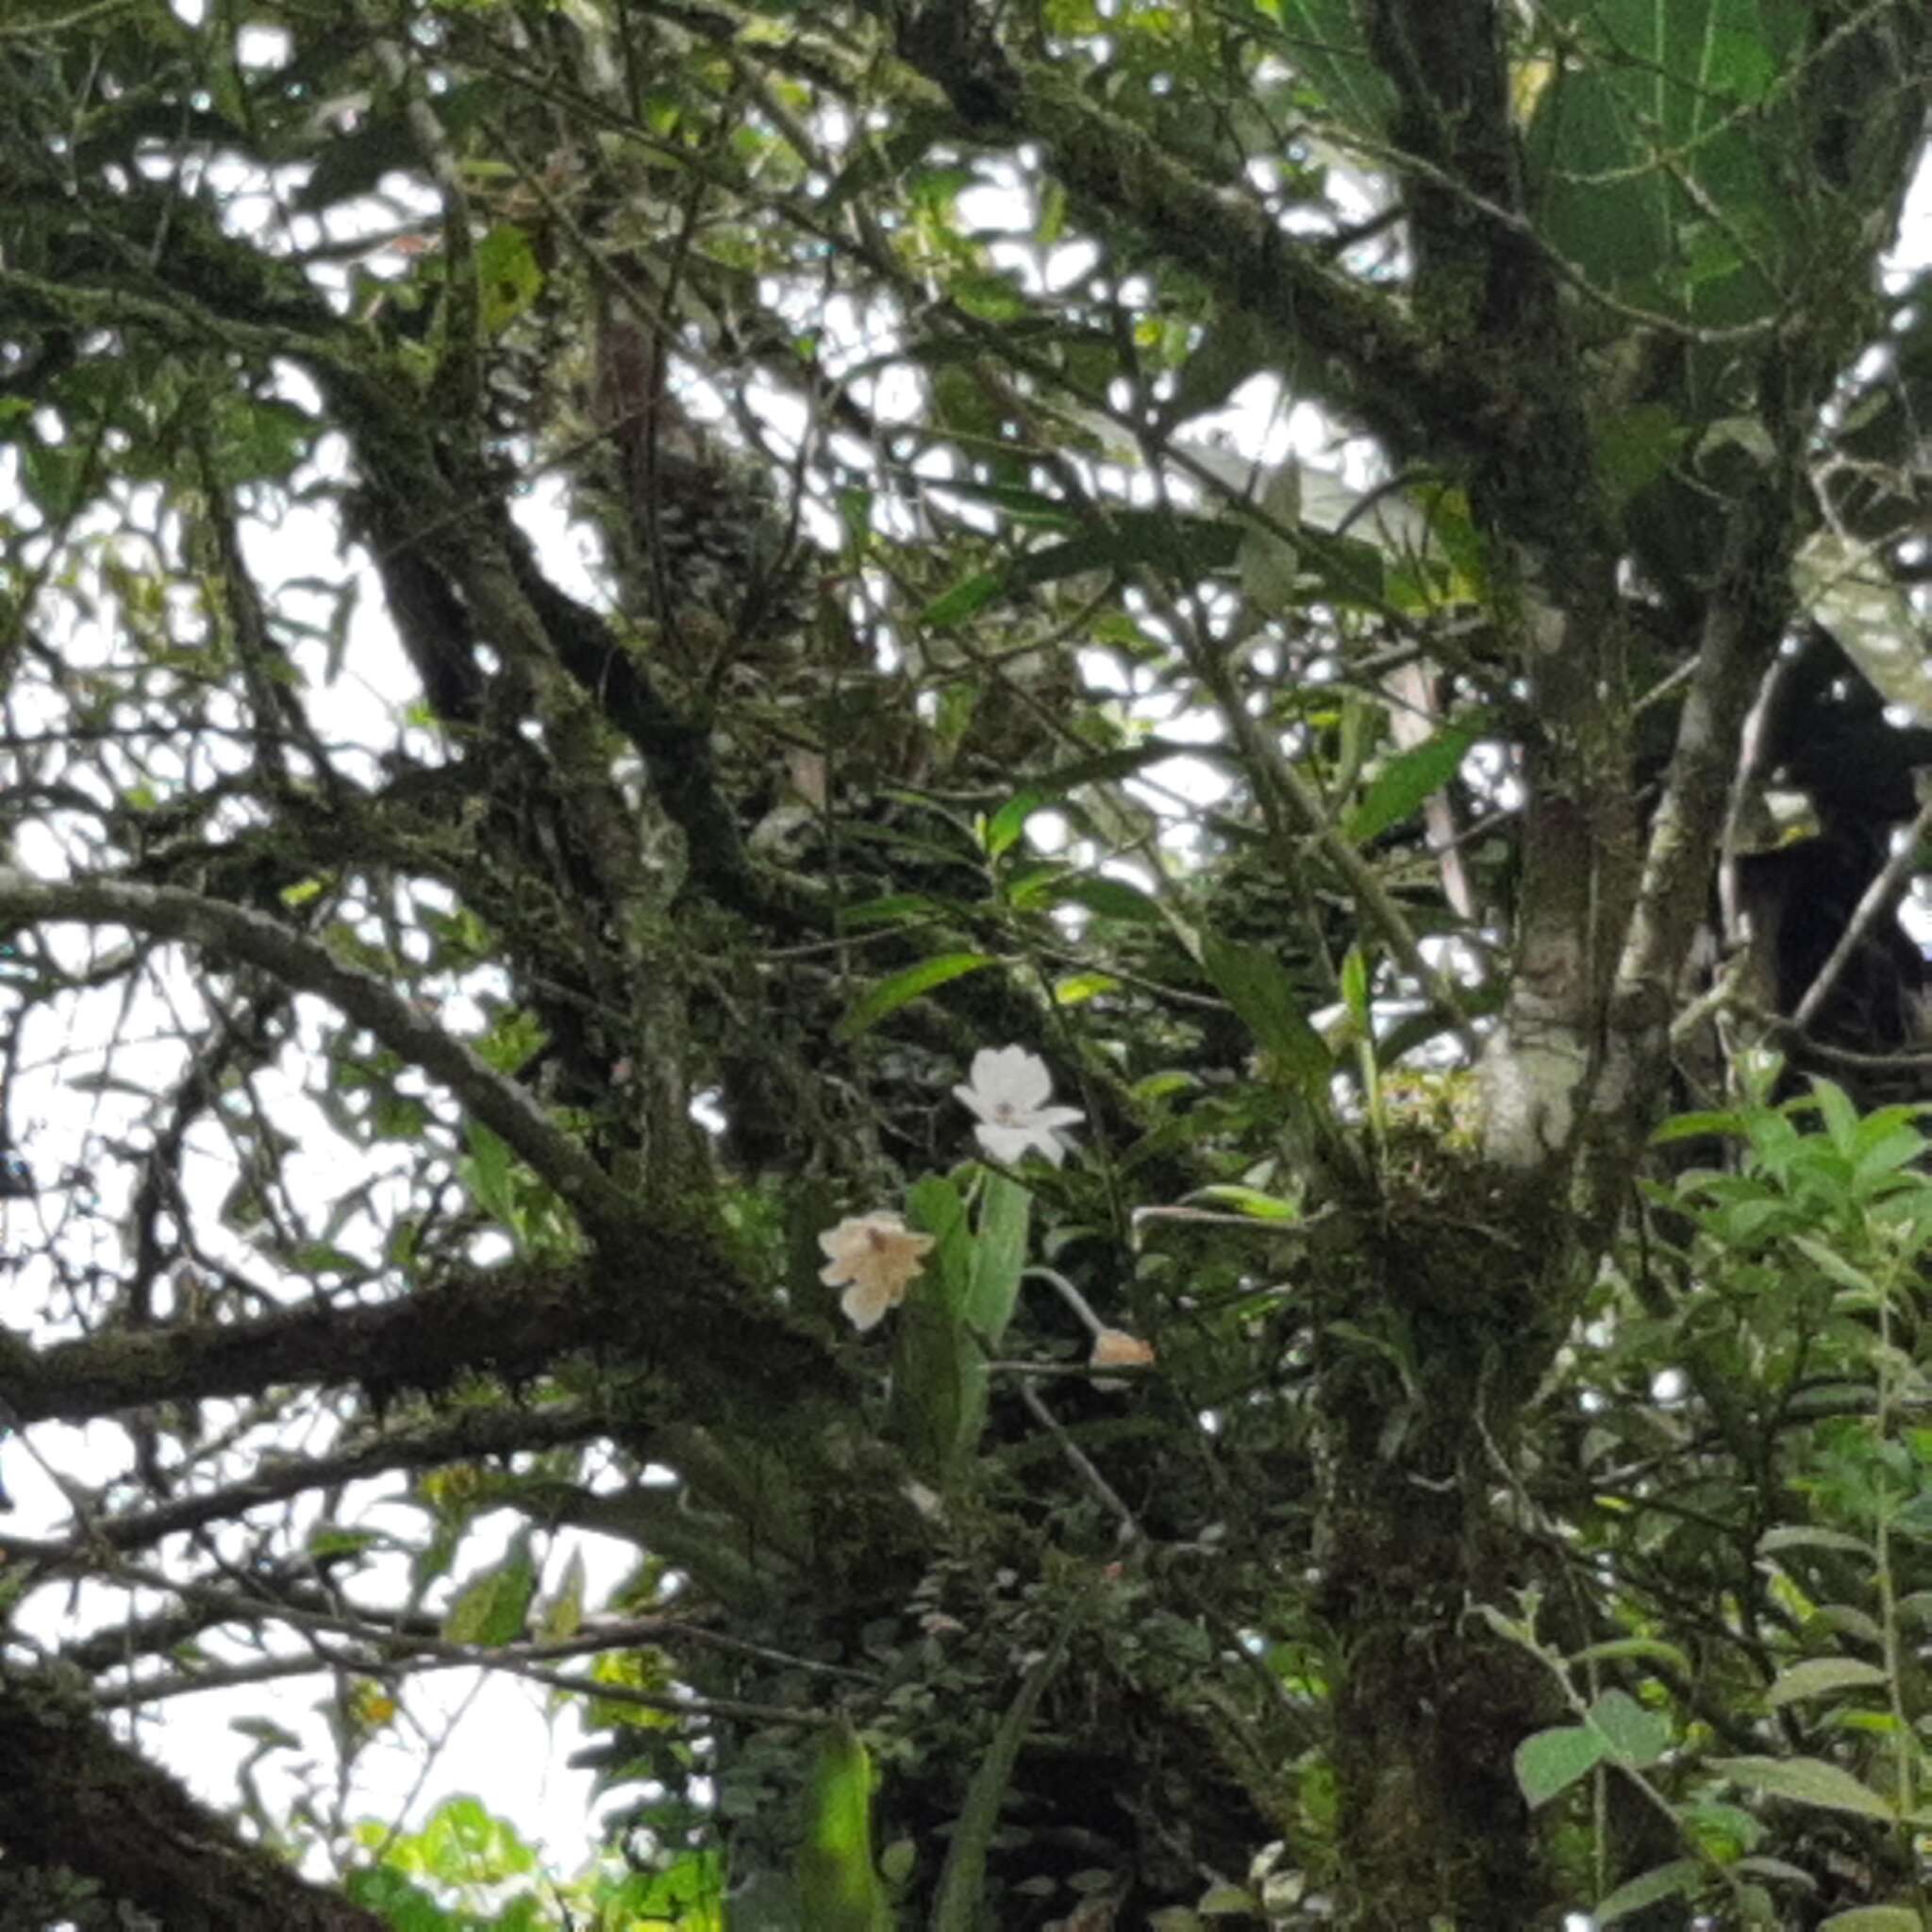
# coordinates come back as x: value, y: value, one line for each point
x: 1801, y: 1536
x: 960, y: 1901
x: 1110, y: 898
x: 968, y: 595
x: 563, y: 1616
x: 1639, y: 1647
x: 1806, y: 1781
x: 1255, y: 985
x: 1009, y: 820
x: 1248, y: 1201
x: 891, y: 994
x: 1665, y: 1881
x: 1400, y: 786
x: 1551, y: 1762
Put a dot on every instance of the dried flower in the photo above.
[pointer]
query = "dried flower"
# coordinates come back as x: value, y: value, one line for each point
x: 1114, y: 1348
x: 1009, y: 1090
x: 879, y: 1256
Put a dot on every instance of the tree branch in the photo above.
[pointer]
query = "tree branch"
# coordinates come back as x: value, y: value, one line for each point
x: 88, y: 1804
x: 687, y: 1316
x: 236, y: 932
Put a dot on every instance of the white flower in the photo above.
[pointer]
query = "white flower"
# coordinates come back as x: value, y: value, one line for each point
x: 1009, y: 1091
x: 880, y: 1256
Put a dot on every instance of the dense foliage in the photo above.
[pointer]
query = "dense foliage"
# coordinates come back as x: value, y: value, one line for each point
x: 927, y: 801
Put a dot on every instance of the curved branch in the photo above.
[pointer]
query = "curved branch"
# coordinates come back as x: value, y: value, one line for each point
x: 93, y: 1807
x: 237, y: 933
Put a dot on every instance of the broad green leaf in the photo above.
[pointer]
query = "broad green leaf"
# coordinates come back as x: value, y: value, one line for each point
x: 891, y: 994
x: 1270, y: 560
x: 1400, y: 786
x: 1255, y: 985
x: 1819, y: 1677
x: 1650, y: 176
x: 933, y: 1206
x: 1681, y: 1875
x: 1636, y: 1736
x: 491, y: 1608
x: 999, y: 1256
x: 1635, y: 446
x: 1874, y: 1919
x: 1325, y: 42
x: 1806, y: 1781
x: 938, y: 1387
x: 508, y: 276
x: 838, y: 1886
x: 1551, y: 1762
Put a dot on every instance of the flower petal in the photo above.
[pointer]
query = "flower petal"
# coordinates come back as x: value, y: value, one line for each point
x: 865, y: 1308
x: 1114, y: 1348
x: 1007, y: 1143
x: 971, y: 1096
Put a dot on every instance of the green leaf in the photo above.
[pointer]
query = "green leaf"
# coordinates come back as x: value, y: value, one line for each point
x: 1270, y: 561
x: 1615, y: 1648
x: 1008, y: 823
x: 891, y: 994
x: 838, y: 1886
x: 1400, y: 786
x: 1325, y: 42
x: 1840, y: 1116
x: 1681, y: 1875
x: 1635, y: 446
x: 999, y: 1256
x: 1255, y: 985
x: 1551, y: 1762
x: 1636, y: 1736
x: 1819, y: 1677
x: 939, y: 1395
x: 563, y: 1616
x: 1800, y: 1536
x: 1110, y: 898
x: 508, y: 276
x: 968, y: 595
x: 1250, y: 1201
x: 933, y: 1206
x: 959, y: 1906
x: 1874, y: 1919
x: 1189, y: 547
x: 491, y: 1608
x: 1806, y: 1781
